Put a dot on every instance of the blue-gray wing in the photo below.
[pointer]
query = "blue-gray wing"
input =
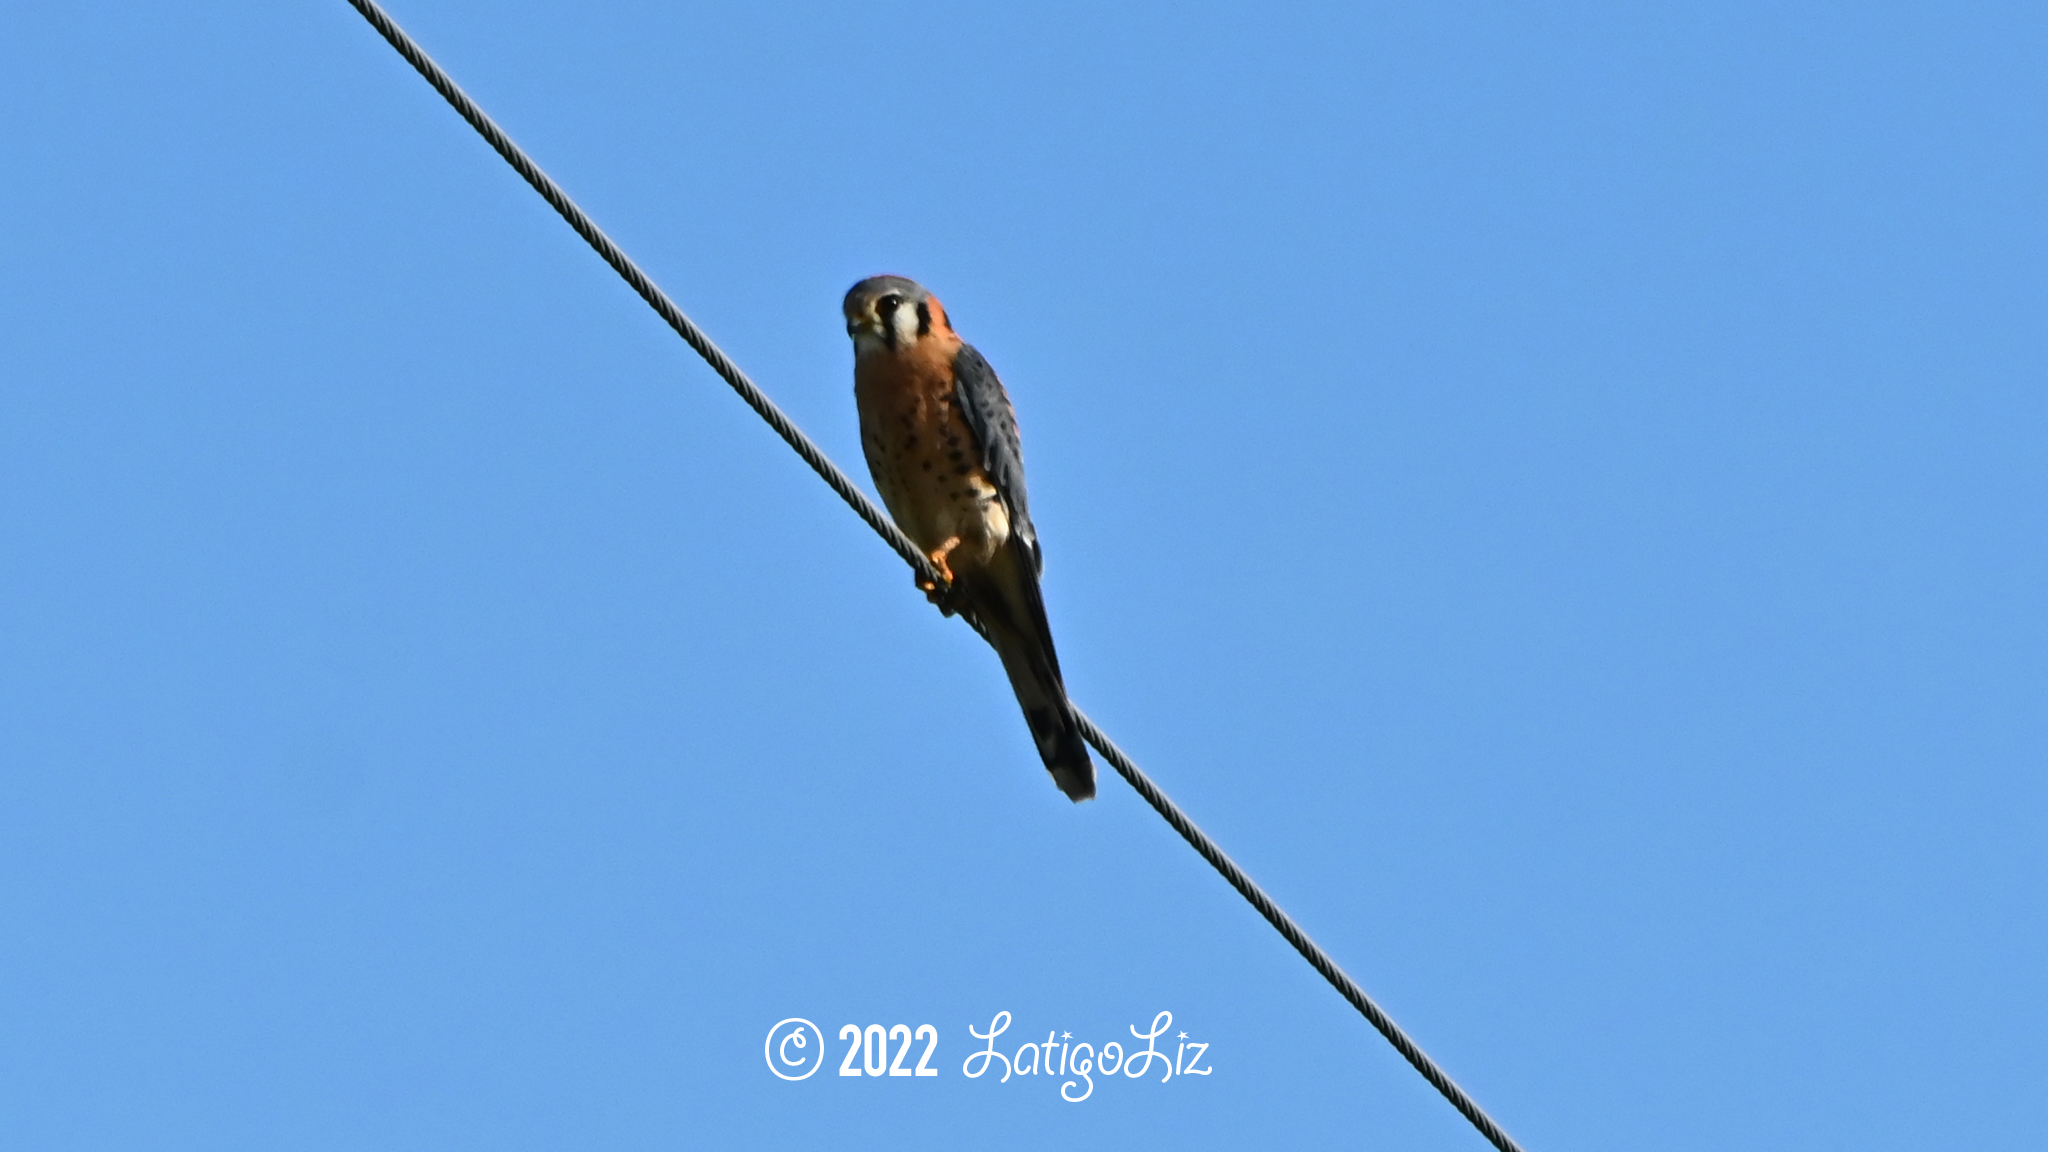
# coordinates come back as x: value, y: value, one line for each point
x: 994, y: 423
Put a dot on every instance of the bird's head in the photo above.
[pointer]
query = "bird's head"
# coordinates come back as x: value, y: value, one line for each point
x: 890, y: 312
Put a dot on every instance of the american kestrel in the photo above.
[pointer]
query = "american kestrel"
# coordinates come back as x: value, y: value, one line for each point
x: 941, y: 442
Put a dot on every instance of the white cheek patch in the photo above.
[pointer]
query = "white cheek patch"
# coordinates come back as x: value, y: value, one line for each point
x: 904, y: 321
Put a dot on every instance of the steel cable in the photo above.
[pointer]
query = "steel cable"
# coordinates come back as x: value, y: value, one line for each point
x: 887, y: 530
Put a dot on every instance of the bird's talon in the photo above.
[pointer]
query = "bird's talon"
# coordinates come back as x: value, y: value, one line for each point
x: 941, y: 596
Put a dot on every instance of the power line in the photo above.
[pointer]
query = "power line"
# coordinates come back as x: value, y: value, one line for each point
x: 886, y: 528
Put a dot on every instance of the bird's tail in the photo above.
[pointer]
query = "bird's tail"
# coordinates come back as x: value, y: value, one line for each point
x: 1010, y: 609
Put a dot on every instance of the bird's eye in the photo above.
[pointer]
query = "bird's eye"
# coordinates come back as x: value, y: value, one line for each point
x: 888, y: 304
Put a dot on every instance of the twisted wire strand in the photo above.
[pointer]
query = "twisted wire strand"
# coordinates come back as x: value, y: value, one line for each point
x: 1282, y: 922
x: 887, y: 530
x: 649, y: 291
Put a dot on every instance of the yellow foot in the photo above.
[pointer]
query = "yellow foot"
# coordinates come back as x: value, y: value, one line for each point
x: 940, y: 594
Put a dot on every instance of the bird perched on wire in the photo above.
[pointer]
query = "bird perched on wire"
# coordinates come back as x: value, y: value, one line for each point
x: 941, y: 442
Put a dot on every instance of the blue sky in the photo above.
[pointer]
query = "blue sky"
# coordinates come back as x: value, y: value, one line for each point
x: 1558, y: 494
